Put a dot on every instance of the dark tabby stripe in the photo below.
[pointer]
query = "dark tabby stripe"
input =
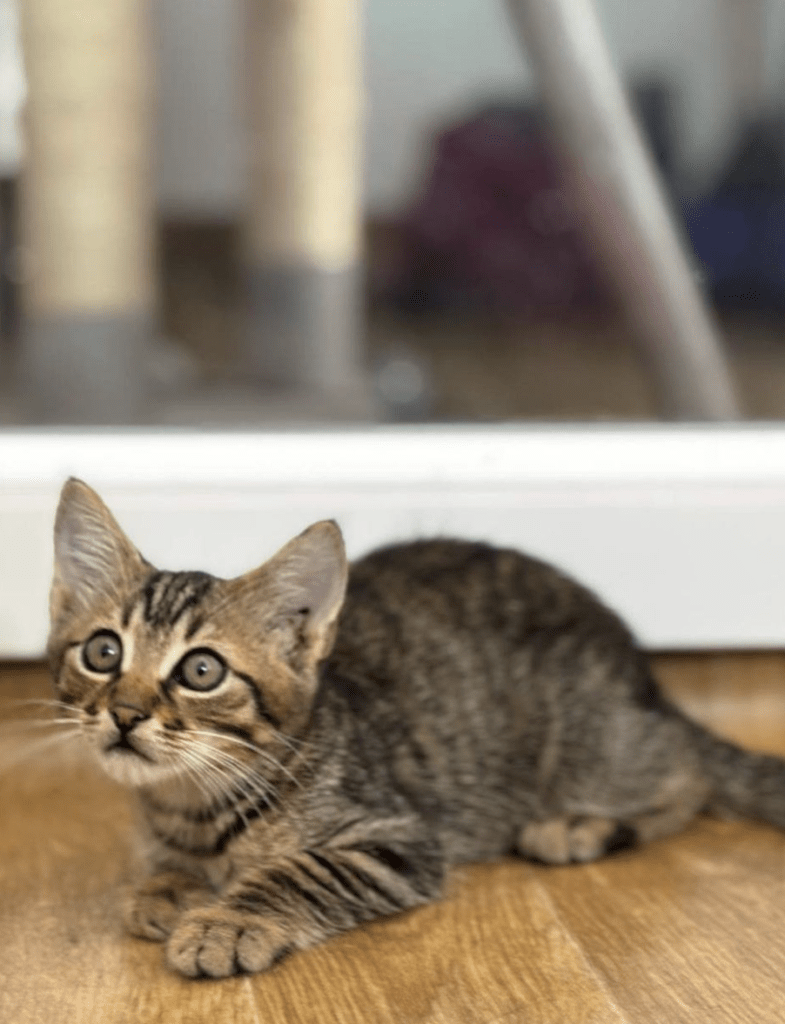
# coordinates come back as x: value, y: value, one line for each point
x: 339, y: 875
x: 234, y: 730
x: 320, y: 882
x: 283, y: 953
x: 238, y: 825
x: 289, y: 884
x: 421, y: 868
x: 196, y: 624
x: 368, y: 880
x: 261, y: 708
x: 348, y: 895
x: 400, y: 865
x: 168, y: 595
x: 255, y: 896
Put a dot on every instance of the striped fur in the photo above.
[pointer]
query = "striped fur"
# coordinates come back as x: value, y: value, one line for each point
x: 312, y: 748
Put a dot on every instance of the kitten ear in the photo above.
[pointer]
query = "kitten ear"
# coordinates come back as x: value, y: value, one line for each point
x: 310, y: 574
x: 304, y: 587
x: 93, y: 557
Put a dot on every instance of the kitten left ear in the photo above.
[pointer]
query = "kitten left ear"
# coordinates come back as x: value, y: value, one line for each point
x: 93, y: 557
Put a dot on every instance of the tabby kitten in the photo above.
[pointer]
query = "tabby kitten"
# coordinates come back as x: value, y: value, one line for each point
x: 313, y: 747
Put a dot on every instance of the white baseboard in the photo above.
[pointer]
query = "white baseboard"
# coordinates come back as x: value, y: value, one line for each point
x: 682, y: 529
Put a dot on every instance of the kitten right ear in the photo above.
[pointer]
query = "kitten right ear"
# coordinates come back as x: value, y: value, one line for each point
x: 93, y: 557
x: 298, y: 594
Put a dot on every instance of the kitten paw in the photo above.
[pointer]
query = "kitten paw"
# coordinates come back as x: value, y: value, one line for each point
x: 215, y: 942
x: 152, y: 910
x: 573, y: 840
x: 150, y: 916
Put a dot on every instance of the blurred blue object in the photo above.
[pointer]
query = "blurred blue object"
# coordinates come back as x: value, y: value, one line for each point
x: 739, y: 238
x: 738, y: 230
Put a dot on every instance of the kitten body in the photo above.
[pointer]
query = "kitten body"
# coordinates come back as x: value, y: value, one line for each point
x: 313, y: 748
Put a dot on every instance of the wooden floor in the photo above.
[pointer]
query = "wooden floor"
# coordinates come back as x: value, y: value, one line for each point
x: 690, y: 929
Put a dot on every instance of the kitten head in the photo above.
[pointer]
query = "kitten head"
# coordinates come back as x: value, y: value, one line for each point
x: 182, y: 674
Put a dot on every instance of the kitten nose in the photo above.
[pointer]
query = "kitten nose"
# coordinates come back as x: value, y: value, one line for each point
x: 126, y: 716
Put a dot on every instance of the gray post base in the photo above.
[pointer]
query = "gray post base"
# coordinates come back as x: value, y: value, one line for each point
x: 85, y: 369
x: 302, y: 330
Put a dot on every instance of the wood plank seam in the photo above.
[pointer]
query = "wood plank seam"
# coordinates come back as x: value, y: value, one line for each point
x: 596, y: 975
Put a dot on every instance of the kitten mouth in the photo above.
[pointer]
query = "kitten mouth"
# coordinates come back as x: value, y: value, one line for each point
x: 125, y: 747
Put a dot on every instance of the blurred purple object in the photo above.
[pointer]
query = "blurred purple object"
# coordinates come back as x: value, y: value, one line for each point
x: 494, y: 227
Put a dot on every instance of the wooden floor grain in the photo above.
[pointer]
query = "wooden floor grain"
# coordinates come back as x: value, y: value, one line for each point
x: 688, y: 929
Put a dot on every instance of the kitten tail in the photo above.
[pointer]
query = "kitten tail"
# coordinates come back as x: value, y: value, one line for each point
x: 743, y: 783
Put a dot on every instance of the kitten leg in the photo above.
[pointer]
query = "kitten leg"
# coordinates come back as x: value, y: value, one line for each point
x: 680, y: 796
x: 152, y: 909
x: 547, y: 841
x: 566, y: 840
x: 269, y: 913
x: 569, y: 840
x: 590, y: 838
x: 594, y: 837
x: 673, y: 816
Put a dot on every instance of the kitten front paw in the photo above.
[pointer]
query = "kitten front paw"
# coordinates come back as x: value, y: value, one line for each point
x: 150, y: 916
x: 152, y: 910
x: 215, y: 942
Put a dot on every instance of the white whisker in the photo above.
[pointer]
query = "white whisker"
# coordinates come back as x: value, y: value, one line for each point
x: 193, y: 756
x: 239, y: 768
x: 37, y: 723
x: 24, y: 728
x: 40, y: 701
x: 207, y: 782
x: 281, y: 767
x: 243, y: 775
x: 258, y: 751
x: 196, y: 763
x: 294, y: 743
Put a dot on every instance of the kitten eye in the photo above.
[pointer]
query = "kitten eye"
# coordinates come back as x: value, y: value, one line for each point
x: 103, y: 652
x: 200, y: 670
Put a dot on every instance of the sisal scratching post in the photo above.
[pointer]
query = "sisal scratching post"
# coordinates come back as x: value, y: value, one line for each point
x: 303, y: 222
x: 86, y: 217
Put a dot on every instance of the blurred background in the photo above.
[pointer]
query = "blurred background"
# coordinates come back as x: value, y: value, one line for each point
x: 366, y: 216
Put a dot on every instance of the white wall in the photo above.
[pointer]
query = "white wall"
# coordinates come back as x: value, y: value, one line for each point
x: 678, y: 528
x: 424, y: 62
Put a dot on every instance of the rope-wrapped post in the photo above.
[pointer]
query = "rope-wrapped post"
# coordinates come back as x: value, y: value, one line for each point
x: 87, y: 210
x: 12, y: 96
x: 302, y: 238
x: 619, y: 198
